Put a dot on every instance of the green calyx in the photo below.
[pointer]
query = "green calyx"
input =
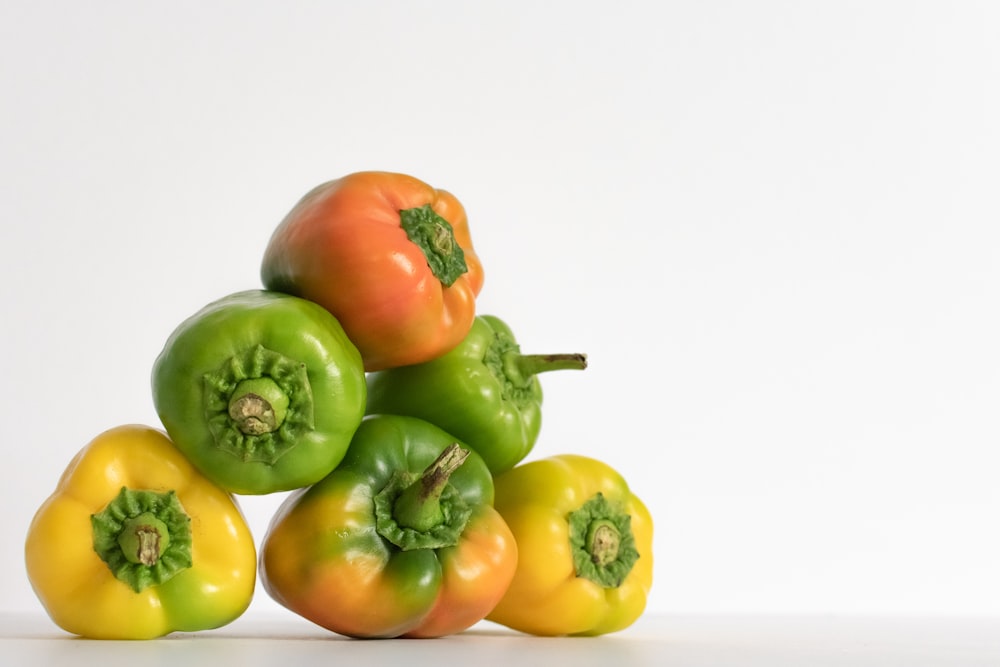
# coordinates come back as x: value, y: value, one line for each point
x: 602, y: 543
x: 144, y: 537
x: 436, y: 239
x: 258, y: 404
x: 514, y: 371
x: 424, y: 511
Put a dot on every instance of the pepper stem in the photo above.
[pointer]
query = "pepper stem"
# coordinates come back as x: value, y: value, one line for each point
x: 520, y: 367
x: 419, y: 505
x: 601, y: 541
x: 143, y: 536
x: 143, y: 539
x: 527, y: 365
x: 258, y: 406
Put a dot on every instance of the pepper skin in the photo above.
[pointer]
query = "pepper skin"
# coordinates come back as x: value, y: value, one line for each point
x: 261, y: 390
x: 585, y: 544
x: 379, y: 548
x: 134, y: 543
x: 484, y: 392
x: 390, y: 256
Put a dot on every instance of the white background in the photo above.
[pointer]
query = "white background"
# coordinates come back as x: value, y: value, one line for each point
x: 773, y: 227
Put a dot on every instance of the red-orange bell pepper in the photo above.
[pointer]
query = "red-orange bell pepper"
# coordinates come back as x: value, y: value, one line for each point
x: 390, y: 256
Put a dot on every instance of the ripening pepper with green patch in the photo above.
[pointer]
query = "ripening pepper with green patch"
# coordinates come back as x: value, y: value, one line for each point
x: 400, y: 540
x: 390, y: 256
x: 485, y: 392
x: 261, y: 390
x: 585, y: 542
x: 135, y: 543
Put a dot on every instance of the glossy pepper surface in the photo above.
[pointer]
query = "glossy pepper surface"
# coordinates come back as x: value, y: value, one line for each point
x: 485, y: 392
x: 390, y: 256
x: 261, y: 390
x: 585, y: 545
x: 135, y: 543
x: 400, y: 540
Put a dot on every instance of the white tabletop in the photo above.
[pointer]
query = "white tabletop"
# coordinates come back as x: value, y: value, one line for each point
x: 672, y: 640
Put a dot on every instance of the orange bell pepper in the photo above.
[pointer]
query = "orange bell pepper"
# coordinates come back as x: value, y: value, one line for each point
x: 390, y: 256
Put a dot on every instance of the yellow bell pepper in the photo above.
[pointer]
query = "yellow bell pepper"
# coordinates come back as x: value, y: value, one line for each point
x: 134, y: 543
x: 585, y: 544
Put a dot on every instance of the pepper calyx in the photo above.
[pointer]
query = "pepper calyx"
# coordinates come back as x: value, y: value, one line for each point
x: 436, y: 238
x: 424, y: 511
x: 143, y: 536
x: 602, y: 542
x: 249, y: 392
x: 514, y: 371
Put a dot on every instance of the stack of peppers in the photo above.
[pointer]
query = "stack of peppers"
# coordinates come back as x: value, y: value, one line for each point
x: 360, y: 378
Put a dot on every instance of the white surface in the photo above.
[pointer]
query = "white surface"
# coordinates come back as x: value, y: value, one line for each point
x: 682, y: 641
x: 773, y: 226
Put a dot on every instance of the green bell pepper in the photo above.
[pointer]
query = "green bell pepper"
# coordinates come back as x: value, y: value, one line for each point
x: 484, y: 392
x: 401, y: 539
x: 261, y: 391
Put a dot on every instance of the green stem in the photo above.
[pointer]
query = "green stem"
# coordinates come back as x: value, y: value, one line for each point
x: 602, y: 542
x: 523, y: 366
x: 418, y: 507
x: 143, y: 539
x: 258, y: 405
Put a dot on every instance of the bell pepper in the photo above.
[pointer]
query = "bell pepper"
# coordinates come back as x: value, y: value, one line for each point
x: 485, y: 392
x: 134, y: 543
x: 390, y: 256
x: 400, y: 540
x: 585, y: 545
x: 262, y: 391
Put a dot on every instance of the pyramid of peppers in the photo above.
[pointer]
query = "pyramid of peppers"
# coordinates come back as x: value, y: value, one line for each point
x: 360, y: 378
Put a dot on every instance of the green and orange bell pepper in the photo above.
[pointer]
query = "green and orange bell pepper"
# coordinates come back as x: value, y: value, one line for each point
x: 401, y: 539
